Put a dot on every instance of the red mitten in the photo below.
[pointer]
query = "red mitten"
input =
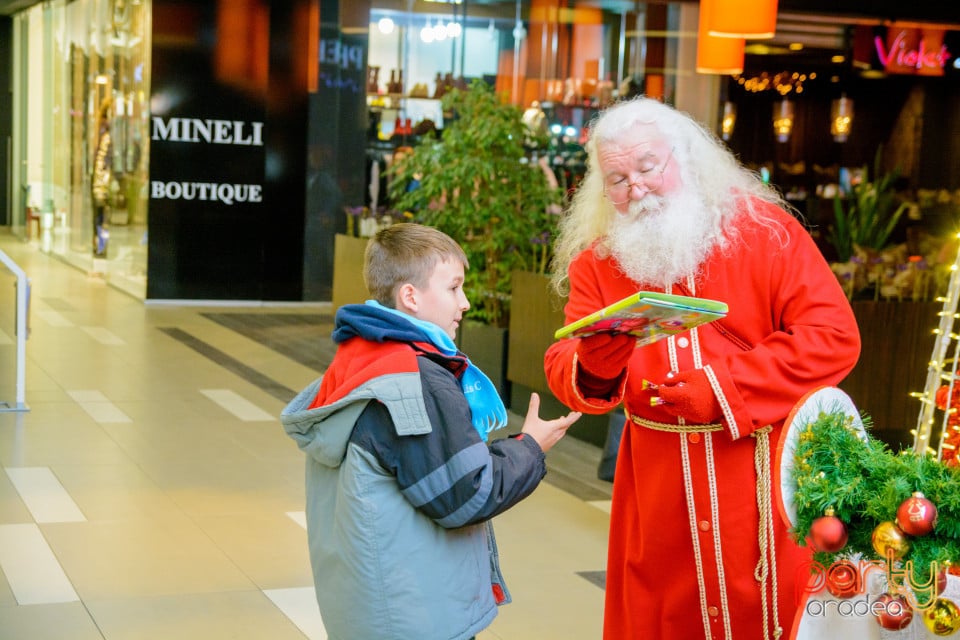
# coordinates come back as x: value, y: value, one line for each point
x: 688, y: 395
x: 605, y: 355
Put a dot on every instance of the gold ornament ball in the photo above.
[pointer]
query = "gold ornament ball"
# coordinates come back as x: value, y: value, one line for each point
x: 942, y: 618
x: 888, y: 539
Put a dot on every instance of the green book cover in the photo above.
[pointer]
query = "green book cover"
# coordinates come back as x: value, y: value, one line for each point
x: 648, y: 315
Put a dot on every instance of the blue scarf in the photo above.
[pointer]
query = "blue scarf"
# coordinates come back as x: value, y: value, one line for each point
x: 373, y: 321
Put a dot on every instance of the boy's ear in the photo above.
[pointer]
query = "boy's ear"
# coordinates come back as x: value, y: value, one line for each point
x: 407, y: 298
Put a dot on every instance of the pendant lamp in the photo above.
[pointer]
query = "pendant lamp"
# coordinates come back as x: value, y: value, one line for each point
x: 841, y: 118
x: 783, y: 119
x: 717, y: 55
x: 750, y: 19
x: 729, y: 119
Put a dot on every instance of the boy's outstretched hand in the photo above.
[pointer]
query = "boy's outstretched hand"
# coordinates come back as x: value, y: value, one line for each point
x: 546, y: 432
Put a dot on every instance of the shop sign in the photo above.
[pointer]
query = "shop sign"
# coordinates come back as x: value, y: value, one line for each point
x: 343, y: 55
x: 342, y: 64
x: 913, y: 51
x: 208, y: 131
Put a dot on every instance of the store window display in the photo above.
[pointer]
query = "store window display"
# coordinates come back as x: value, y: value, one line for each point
x: 102, y: 181
x: 80, y: 134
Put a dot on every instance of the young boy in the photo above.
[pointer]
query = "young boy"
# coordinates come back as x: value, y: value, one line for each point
x: 401, y: 483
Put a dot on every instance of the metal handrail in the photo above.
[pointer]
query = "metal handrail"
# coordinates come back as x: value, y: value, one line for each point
x: 22, y: 330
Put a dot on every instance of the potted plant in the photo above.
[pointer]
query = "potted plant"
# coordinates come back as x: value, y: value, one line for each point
x: 869, y: 214
x: 482, y: 185
x: 864, y: 221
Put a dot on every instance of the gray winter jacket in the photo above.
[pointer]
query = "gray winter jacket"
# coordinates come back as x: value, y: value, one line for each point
x: 400, y: 489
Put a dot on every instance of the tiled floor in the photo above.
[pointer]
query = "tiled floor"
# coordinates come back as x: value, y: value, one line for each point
x: 149, y: 491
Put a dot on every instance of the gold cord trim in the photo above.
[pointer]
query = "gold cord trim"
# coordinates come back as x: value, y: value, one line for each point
x: 767, y: 566
x: 675, y: 428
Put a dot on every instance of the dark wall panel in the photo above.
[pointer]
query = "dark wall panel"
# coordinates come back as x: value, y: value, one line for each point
x: 336, y: 137
x: 227, y: 109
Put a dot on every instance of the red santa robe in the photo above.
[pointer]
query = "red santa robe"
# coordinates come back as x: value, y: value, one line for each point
x: 685, y: 544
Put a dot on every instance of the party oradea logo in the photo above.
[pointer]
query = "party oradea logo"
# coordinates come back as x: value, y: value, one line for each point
x: 894, y: 592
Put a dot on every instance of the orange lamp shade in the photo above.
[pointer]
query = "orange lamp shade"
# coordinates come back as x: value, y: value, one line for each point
x: 714, y: 54
x: 750, y: 19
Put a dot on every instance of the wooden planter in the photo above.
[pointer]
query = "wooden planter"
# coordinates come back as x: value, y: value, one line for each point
x: 897, y: 340
x: 486, y: 347
x: 348, y: 286
x: 535, y: 313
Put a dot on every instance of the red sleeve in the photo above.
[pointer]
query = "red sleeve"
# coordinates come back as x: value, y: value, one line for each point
x: 814, y: 341
x: 573, y: 387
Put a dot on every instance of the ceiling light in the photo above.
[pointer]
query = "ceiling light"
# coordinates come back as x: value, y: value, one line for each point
x: 714, y: 54
x: 426, y: 34
x: 754, y: 19
x: 783, y: 119
x: 841, y: 118
x: 729, y: 119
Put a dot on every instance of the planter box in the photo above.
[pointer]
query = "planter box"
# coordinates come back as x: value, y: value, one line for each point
x: 897, y: 342
x: 486, y: 347
x: 348, y: 286
x: 535, y: 313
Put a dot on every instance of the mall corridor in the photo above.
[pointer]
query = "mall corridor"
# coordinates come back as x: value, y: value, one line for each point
x: 149, y: 491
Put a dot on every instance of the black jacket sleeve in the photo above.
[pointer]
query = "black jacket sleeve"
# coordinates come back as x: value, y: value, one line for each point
x: 450, y: 474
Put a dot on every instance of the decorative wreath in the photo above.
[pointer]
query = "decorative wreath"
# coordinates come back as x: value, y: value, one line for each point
x: 850, y: 498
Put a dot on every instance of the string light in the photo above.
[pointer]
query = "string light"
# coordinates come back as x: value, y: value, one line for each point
x: 783, y: 83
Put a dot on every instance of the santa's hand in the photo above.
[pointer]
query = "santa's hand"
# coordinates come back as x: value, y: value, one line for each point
x: 605, y: 355
x: 688, y: 395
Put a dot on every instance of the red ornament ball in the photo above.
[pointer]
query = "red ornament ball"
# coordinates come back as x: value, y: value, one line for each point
x: 917, y: 516
x: 843, y: 579
x: 893, y: 612
x: 828, y: 533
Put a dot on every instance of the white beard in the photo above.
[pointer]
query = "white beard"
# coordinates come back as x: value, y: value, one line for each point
x: 662, y: 240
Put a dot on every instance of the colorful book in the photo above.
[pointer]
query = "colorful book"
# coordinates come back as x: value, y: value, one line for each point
x: 648, y: 315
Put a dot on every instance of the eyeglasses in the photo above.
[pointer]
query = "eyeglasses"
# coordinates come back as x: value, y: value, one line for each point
x: 618, y: 188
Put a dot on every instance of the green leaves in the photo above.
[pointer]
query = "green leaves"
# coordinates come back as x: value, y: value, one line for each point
x: 865, y: 483
x: 869, y: 215
x: 478, y: 185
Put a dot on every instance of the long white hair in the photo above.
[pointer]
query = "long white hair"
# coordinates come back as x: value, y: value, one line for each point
x: 707, y: 168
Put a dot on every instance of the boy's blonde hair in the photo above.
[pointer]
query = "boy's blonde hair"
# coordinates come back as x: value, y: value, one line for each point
x: 402, y: 253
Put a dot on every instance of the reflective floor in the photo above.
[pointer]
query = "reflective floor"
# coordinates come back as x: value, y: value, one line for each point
x: 149, y: 492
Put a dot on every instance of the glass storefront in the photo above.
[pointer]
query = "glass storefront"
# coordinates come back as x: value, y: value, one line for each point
x: 82, y: 99
x: 81, y: 81
x: 560, y: 64
x: 567, y: 61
